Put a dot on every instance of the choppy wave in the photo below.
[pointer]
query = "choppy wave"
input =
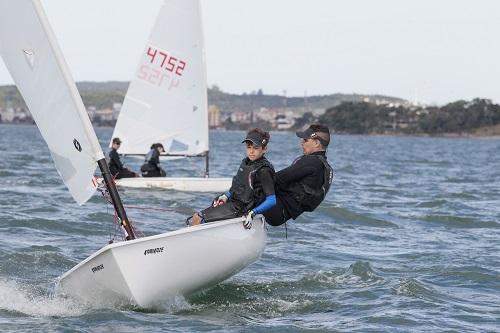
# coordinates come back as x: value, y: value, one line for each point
x: 359, y: 274
x: 471, y: 276
x: 27, y: 300
x: 263, y: 300
x: 406, y: 240
x: 413, y: 288
x: 36, y: 261
x: 268, y: 299
x: 459, y: 222
x: 343, y: 215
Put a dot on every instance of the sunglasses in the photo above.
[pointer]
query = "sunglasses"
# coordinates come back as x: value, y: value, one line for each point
x: 321, y: 140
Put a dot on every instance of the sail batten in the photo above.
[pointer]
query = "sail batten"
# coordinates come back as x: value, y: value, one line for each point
x: 37, y: 66
x: 167, y: 98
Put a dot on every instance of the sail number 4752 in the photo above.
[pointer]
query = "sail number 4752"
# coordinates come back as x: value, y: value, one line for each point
x: 166, y: 61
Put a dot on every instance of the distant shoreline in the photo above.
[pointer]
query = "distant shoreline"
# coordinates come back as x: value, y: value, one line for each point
x: 476, y: 135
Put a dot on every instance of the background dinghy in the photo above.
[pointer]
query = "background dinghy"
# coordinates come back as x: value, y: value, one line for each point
x: 167, y: 98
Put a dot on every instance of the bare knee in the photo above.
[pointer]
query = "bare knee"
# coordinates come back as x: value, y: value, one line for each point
x: 196, y: 219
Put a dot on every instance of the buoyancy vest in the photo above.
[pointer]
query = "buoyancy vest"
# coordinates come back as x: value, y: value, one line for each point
x: 150, y: 161
x: 151, y: 156
x: 308, y: 197
x: 243, y: 189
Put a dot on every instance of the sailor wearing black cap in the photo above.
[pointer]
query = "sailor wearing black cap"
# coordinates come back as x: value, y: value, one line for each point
x: 302, y: 186
x: 252, y: 189
x: 115, y: 164
x: 151, y: 166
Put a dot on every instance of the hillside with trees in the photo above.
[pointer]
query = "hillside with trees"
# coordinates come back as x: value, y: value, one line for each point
x: 103, y: 95
x: 343, y: 113
x: 459, y: 117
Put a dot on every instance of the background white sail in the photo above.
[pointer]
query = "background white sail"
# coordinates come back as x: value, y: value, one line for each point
x: 32, y: 56
x: 167, y: 98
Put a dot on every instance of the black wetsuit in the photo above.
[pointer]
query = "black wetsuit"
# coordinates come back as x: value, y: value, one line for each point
x: 308, y: 170
x: 253, y: 182
x: 116, y: 166
x: 151, y: 166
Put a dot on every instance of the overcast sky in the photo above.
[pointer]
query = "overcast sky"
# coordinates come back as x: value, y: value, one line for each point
x: 436, y: 51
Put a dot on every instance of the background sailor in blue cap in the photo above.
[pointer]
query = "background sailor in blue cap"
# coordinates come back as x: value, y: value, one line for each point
x: 252, y: 189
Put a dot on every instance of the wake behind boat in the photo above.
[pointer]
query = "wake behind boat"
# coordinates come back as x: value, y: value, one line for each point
x: 167, y: 98
x: 141, y: 271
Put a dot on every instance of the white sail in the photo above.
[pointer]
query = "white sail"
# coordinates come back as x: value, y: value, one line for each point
x: 33, y: 58
x: 167, y: 98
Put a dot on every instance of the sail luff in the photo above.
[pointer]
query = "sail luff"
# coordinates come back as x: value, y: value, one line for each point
x: 203, y: 88
x: 97, y: 152
x: 36, y: 64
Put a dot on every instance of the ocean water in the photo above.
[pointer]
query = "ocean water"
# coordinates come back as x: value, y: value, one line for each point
x: 408, y: 240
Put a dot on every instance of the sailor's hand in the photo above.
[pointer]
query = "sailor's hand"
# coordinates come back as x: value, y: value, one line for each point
x: 220, y: 200
x: 248, y: 219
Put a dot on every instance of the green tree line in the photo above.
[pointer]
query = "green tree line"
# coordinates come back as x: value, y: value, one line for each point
x: 366, y: 118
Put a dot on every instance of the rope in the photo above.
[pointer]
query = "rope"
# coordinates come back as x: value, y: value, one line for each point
x: 186, y: 211
x: 118, y: 227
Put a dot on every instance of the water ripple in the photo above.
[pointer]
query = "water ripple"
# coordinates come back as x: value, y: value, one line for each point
x: 407, y: 240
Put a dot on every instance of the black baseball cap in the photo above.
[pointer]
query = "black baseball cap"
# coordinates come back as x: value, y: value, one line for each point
x: 117, y: 141
x: 309, y: 133
x: 256, y: 138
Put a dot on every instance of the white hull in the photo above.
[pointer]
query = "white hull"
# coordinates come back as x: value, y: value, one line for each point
x: 192, y: 184
x: 150, y: 270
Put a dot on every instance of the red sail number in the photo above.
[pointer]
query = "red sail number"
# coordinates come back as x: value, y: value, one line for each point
x: 166, y: 61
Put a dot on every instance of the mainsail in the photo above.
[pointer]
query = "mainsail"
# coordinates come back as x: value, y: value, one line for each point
x: 33, y: 58
x: 167, y: 98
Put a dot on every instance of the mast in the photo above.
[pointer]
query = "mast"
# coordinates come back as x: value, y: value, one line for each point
x: 206, y: 165
x: 115, y: 198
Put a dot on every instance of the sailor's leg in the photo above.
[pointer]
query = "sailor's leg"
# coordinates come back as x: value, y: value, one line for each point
x: 196, y: 219
x: 276, y: 215
x: 223, y: 212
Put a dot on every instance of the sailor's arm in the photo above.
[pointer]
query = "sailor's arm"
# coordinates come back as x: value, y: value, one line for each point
x: 294, y: 172
x: 114, y: 156
x: 267, y: 182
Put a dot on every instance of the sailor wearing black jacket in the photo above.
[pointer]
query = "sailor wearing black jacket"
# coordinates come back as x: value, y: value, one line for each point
x: 303, y: 185
x: 115, y: 164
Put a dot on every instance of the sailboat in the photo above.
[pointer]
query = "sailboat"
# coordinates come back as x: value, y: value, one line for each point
x: 167, y: 99
x: 143, y: 271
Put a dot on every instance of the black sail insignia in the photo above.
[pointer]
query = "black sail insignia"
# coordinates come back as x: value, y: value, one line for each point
x: 77, y: 145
